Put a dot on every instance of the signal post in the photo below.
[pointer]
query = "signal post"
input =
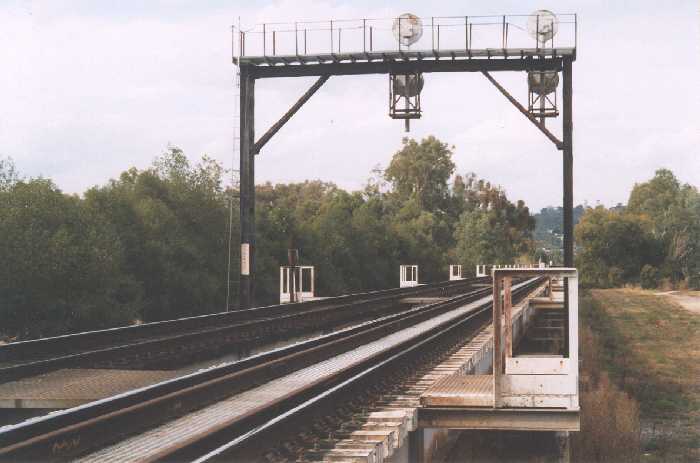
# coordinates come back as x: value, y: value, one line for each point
x: 358, y: 48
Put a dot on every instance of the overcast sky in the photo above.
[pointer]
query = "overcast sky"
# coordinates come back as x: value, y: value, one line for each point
x: 89, y: 88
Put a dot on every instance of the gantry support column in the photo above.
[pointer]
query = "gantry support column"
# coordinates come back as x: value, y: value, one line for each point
x: 568, y: 187
x: 247, y: 187
x: 568, y: 169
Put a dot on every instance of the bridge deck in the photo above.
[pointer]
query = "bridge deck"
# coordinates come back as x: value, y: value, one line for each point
x: 407, y: 408
x: 466, y: 402
x: 202, y: 422
x: 71, y: 387
x: 458, y: 390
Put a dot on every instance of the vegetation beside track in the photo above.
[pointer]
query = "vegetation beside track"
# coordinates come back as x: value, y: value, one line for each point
x: 639, y: 351
x: 152, y: 244
x: 652, y: 241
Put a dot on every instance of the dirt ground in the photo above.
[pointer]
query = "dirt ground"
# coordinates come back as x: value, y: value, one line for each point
x: 689, y: 300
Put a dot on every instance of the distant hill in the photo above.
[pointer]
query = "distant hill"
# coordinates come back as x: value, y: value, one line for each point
x: 548, y: 226
x: 551, y: 218
x: 549, y: 236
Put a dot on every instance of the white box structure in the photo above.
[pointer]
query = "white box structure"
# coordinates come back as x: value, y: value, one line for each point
x: 301, y: 281
x: 456, y: 272
x: 408, y: 276
x: 534, y: 381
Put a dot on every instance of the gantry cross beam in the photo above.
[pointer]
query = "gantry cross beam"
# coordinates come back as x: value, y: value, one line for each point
x: 486, y: 61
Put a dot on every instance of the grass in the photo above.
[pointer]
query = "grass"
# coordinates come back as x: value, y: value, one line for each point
x: 650, y: 348
x: 610, y: 426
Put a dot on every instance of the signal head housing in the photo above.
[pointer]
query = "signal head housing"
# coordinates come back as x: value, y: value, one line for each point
x: 407, y: 29
x: 542, y: 25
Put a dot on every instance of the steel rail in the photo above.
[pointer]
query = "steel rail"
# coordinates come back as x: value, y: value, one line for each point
x: 154, y: 328
x: 245, y: 326
x: 72, y: 432
x: 322, y: 399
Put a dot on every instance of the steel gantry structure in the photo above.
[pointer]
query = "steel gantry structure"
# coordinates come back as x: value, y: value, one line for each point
x: 294, y: 50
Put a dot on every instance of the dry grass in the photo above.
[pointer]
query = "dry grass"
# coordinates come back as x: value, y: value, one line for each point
x: 651, y: 349
x: 610, y: 427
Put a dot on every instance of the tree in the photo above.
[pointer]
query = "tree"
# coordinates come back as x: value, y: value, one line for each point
x: 337, y: 243
x: 656, y: 199
x: 151, y: 244
x: 683, y: 247
x: 657, y: 235
x: 607, y: 240
x: 649, y: 277
x: 420, y: 171
x: 674, y: 211
x: 420, y: 206
x: 491, y: 230
x: 63, y: 268
x: 286, y: 217
x: 423, y: 238
x: 173, y: 221
x: 378, y: 249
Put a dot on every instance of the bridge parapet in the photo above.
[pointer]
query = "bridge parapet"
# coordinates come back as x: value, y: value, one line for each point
x: 544, y: 378
x: 532, y: 350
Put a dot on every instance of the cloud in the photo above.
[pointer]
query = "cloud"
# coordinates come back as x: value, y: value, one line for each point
x: 92, y: 88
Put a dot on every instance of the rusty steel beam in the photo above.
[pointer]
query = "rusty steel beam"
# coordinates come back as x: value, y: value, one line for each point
x: 288, y: 115
x: 497, y: 324
x: 508, y: 311
x: 407, y: 67
x: 558, y: 143
x: 503, y: 419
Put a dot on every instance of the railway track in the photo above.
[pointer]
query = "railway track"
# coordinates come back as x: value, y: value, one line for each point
x: 174, y: 343
x: 232, y: 409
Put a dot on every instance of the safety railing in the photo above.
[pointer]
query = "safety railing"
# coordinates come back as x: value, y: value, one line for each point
x: 439, y: 33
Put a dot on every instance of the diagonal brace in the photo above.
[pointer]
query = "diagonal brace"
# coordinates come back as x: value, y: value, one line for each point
x: 521, y: 108
x: 288, y: 115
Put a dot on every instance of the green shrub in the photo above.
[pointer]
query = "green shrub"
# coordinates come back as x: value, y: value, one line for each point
x: 694, y: 281
x: 649, y: 277
x: 616, y: 277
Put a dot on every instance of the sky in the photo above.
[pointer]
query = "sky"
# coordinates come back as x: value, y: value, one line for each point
x: 91, y: 88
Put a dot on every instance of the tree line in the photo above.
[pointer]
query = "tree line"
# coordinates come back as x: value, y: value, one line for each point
x: 654, y: 238
x: 152, y: 244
